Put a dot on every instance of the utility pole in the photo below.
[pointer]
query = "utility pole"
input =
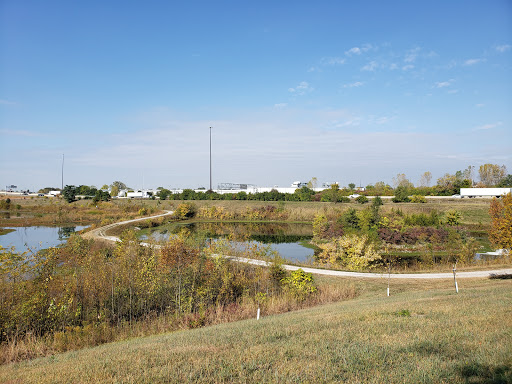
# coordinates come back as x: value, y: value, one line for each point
x: 210, y: 158
x: 62, y: 174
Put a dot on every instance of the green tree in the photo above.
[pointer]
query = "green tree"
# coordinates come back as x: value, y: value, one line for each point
x: 401, y: 194
x: 350, y: 218
x: 505, y: 182
x: 351, y: 186
x: 119, y: 184
x: 69, y: 193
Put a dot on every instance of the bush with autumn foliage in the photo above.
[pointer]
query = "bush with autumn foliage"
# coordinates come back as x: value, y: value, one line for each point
x: 500, y: 232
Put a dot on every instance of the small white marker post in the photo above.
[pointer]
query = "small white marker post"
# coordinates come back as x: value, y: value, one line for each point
x: 258, y: 314
x: 389, y: 276
x: 454, y: 278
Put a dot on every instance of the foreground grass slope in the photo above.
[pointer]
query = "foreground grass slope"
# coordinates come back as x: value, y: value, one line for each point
x: 423, y: 334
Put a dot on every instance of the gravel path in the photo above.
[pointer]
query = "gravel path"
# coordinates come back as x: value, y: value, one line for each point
x: 101, y: 233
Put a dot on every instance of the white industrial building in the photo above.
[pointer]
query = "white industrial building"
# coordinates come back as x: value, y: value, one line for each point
x: 484, y: 192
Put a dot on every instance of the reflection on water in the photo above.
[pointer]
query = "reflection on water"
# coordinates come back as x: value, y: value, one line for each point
x: 284, y: 238
x: 35, y: 238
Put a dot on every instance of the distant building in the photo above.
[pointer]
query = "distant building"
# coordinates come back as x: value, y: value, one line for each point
x: 484, y: 192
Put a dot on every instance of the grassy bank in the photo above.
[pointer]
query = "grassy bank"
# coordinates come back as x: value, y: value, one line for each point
x: 423, y: 333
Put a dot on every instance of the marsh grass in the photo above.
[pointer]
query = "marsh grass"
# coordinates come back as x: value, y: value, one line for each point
x: 418, y: 335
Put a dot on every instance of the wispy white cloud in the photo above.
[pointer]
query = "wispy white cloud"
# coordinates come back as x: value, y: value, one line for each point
x: 280, y: 105
x: 443, y: 84
x: 480, y: 105
x: 473, y: 61
x: 411, y: 55
x: 301, y: 89
x: 358, y: 50
x: 333, y: 61
x: 407, y: 67
x: 353, y: 85
x: 453, y: 91
x: 371, y: 66
x: 488, y: 126
x: 503, y: 48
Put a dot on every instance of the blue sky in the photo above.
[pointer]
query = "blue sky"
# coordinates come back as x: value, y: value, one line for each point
x: 338, y: 90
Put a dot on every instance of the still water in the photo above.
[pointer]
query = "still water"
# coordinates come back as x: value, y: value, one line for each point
x: 36, y: 238
x: 285, y: 238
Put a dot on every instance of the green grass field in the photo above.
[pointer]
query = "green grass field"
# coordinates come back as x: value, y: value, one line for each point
x: 423, y: 333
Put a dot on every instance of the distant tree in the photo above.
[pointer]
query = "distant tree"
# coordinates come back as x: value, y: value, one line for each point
x: 505, y: 182
x: 402, y: 181
x: 163, y: 194
x: 304, y: 194
x: 47, y: 190
x: 425, y: 180
x: 105, y: 186
x: 69, y: 193
x: 491, y: 174
x: 114, y: 191
x: 500, y: 211
x: 119, y: 184
x: 101, y: 196
x: 351, y: 186
x: 381, y: 188
x: 312, y: 183
x: 401, y: 195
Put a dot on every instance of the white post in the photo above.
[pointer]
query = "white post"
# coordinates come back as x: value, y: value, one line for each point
x: 454, y: 279
x: 389, y: 275
x: 258, y: 314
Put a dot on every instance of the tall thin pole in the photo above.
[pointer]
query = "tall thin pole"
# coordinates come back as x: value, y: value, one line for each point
x: 210, y: 158
x: 62, y: 174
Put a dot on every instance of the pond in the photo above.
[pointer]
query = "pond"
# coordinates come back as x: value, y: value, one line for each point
x: 36, y: 238
x: 288, y: 239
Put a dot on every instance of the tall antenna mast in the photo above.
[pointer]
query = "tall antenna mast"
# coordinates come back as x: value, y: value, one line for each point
x: 210, y: 158
x: 62, y: 174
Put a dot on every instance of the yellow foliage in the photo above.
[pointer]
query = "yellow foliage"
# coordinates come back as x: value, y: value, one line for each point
x: 351, y: 251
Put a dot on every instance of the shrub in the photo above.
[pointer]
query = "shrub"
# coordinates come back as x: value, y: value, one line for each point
x: 418, y: 199
x: 300, y: 284
x: 351, y: 251
x: 377, y: 201
x: 361, y: 199
x: 185, y: 211
x: 453, y: 217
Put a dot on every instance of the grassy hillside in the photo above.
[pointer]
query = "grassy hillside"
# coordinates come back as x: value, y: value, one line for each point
x: 423, y: 333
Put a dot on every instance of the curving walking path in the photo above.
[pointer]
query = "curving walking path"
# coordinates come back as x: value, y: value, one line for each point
x: 101, y: 233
